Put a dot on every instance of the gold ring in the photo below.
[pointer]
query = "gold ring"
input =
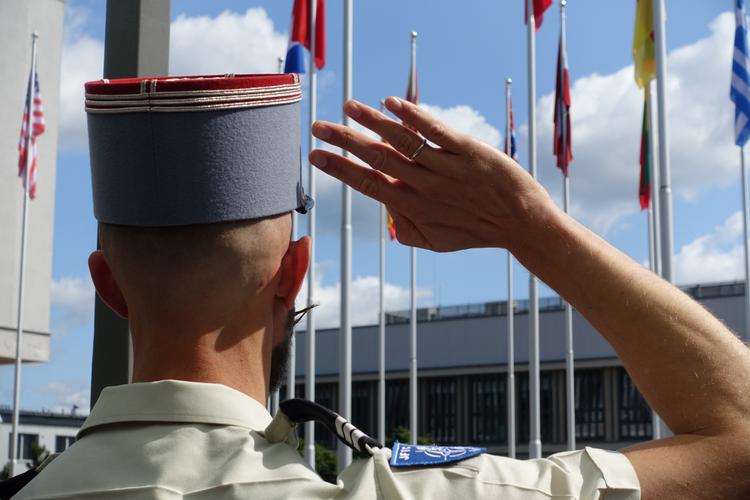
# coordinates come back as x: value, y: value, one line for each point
x: 419, y: 150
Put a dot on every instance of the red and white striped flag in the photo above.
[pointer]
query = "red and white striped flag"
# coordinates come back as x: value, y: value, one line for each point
x: 563, y: 144
x: 25, y: 142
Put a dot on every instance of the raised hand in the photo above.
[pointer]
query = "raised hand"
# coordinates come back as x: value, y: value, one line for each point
x: 459, y: 193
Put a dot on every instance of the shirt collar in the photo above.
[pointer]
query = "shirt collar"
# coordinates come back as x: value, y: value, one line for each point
x: 176, y: 401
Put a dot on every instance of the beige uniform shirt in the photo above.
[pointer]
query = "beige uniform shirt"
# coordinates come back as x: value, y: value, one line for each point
x: 173, y: 439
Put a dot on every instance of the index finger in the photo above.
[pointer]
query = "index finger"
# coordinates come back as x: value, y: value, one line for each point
x: 427, y: 125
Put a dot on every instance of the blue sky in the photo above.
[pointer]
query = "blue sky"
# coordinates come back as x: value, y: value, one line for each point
x: 466, y: 51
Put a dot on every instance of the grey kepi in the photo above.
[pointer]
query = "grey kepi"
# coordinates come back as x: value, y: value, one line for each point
x: 174, y: 151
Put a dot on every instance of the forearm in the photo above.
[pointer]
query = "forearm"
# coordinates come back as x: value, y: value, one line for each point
x: 686, y: 363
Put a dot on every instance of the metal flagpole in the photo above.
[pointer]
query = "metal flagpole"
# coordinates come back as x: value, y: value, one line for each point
x: 22, y: 266
x: 511, y: 381
x: 535, y: 442
x: 744, y: 236
x: 413, y: 400
x: 311, y: 297
x: 345, y: 330
x: 665, y: 190
x: 381, y: 323
x: 569, y: 355
x: 655, y: 216
x: 281, y: 64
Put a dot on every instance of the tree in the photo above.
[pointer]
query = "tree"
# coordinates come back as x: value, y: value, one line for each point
x: 38, y: 455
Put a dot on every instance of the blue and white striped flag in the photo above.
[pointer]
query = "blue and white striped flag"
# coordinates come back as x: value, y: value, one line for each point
x: 740, y: 90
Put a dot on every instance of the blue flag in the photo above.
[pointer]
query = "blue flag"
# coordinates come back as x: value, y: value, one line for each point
x: 740, y: 90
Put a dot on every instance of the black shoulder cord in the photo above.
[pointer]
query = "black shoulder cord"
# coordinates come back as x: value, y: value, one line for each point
x: 11, y: 486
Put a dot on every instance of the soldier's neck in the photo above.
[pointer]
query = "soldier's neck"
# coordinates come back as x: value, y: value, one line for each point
x: 218, y: 357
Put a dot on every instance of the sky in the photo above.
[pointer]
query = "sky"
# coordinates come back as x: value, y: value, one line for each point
x: 466, y: 50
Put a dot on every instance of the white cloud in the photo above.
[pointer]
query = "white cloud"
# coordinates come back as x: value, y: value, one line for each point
x: 365, y: 297
x: 67, y: 397
x: 231, y: 42
x: 228, y: 43
x: 716, y: 256
x: 72, y: 301
x: 606, y: 121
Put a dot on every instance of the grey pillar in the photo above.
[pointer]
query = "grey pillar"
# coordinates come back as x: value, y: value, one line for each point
x: 136, y: 44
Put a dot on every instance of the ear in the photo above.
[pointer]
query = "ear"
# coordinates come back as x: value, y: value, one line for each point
x: 105, y: 284
x: 293, y: 269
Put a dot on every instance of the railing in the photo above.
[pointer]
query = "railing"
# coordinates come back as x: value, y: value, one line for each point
x: 554, y: 303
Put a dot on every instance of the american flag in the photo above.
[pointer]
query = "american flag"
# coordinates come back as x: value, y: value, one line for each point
x: 37, y: 128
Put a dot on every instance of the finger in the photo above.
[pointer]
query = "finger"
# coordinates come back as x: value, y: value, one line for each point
x: 403, y: 139
x: 378, y: 155
x: 427, y: 125
x: 367, y: 181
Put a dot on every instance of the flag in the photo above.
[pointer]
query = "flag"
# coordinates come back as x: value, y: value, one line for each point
x: 25, y: 142
x: 299, y: 39
x: 539, y: 7
x: 391, y: 227
x: 644, y: 184
x: 513, y: 153
x: 643, y: 43
x: 562, y: 146
x: 740, y: 89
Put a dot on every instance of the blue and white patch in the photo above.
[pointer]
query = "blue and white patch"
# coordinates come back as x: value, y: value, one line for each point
x: 412, y: 455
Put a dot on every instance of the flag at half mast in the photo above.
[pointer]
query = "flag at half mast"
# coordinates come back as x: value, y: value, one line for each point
x: 644, y: 183
x: 27, y: 142
x: 645, y: 71
x: 299, y: 39
x: 740, y: 89
x: 562, y: 147
x: 510, y: 146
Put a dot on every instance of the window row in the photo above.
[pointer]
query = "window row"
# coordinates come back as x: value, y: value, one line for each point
x: 472, y: 409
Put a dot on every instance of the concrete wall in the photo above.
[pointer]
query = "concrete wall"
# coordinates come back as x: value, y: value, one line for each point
x: 478, y: 342
x: 18, y: 19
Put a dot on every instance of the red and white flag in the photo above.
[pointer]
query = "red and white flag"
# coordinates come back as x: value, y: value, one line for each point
x: 25, y: 142
x: 562, y: 146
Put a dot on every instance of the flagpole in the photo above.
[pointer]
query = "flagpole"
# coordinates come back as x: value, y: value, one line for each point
x: 310, y: 334
x: 655, y: 215
x: 665, y: 191
x: 535, y: 442
x: 569, y: 355
x: 511, y: 379
x: 22, y: 266
x: 345, y: 336
x: 381, y: 323
x: 413, y: 400
x: 744, y: 236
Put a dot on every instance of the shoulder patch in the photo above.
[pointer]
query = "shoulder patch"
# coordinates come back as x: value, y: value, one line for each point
x: 412, y: 455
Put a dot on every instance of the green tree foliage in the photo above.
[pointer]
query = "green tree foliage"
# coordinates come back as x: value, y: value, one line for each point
x: 38, y: 455
x: 326, y: 462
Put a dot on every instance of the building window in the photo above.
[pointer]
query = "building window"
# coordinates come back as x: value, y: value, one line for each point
x: 25, y: 443
x: 326, y: 395
x: 487, y: 409
x: 396, y: 405
x: 438, y: 410
x: 365, y: 406
x: 547, y: 412
x: 589, y: 397
x: 635, y: 414
x: 62, y: 443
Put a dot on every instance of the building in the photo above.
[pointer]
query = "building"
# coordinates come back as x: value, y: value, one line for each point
x: 17, y: 21
x: 462, y: 375
x: 54, y: 431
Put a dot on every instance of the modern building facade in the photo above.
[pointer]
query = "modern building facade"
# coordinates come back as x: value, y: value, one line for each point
x: 463, y: 375
x: 17, y: 21
x: 54, y: 431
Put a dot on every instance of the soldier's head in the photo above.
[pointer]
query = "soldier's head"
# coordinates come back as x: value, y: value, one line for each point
x: 194, y: 180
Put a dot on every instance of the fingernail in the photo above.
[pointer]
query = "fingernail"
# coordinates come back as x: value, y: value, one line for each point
x: 318, y: 159
x: 393, y: 103
x: 321, y: 131
x: 352, y: 109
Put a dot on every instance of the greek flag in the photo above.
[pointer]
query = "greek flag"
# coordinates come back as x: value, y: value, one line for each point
x: 740, y: 90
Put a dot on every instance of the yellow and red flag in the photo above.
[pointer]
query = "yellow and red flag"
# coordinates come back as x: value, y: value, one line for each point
x: 643, y: 43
